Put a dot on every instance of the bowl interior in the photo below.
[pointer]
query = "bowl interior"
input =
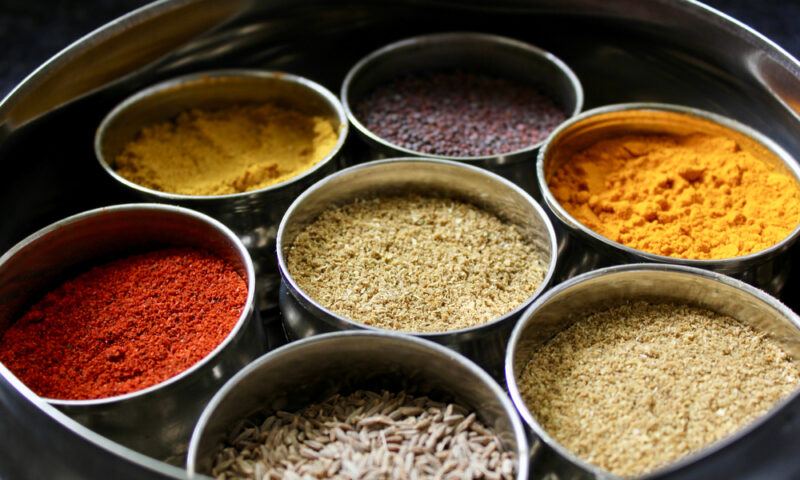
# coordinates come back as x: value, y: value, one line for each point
x: 314, y: 369
x: 397, y: 177
x: 486, y: 54
x: 69, y: 247
x: 600, y: 291
x: 166, y: 100
x: 581, y: 134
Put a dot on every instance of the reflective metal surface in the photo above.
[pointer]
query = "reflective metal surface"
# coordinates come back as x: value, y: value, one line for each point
x: 488, y: 54
x: 254, y: 215
x: 601, y: 289
x: 485, y: 344
x: 311, y: 370
x: 585, y: 249
x: 673, y: 51
x: 157, y: 420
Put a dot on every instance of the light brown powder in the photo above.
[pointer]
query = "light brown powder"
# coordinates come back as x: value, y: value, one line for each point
x: 228, y: 150
x: 415, y: 263
x: 641, y: 385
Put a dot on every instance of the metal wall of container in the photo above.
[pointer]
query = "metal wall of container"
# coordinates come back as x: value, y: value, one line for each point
x: 675, y: 51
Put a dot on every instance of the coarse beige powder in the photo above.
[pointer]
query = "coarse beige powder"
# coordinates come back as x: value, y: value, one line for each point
x: 415, y: 263
x: 638, y: 386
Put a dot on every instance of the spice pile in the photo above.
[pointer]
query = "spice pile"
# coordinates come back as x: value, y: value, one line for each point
x: 696, y: 196
x: 459, y: 114
x: 640, y: 385
x: 366, y: 435
x: 125, y: 325
x: 415, y: 263
x: 229, y: 150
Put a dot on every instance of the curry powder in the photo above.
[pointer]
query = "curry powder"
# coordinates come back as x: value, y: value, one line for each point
x: 229, y: 150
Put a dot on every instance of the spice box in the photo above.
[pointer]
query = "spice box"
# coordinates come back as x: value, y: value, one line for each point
x: 616, y: 336
x: 672, y: 52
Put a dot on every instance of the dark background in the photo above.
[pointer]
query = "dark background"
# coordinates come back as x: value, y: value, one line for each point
x: 31, y: 31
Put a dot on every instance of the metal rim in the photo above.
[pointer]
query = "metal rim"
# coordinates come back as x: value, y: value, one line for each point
x: 172, y: 83
x: 572, y: 224
x: 95, y: 438
x: 539, y: 431
x: 231, y: 237
x: 478, y: 373
x: 529, y: 49
x: 29, y: 84
x: 303, y: 296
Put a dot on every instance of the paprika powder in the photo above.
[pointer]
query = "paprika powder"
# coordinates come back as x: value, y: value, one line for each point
x: 125, y: 325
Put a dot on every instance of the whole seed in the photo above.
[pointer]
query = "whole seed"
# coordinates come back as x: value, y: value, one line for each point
x: 459, y: 114
x: 345, y: 440
x: 640, y: 385
x: 415, y: 263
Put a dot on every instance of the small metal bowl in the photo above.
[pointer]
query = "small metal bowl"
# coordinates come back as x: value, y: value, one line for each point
x: 254, y: 215
x: 601, y: 289
x: 485, y: 344
x: 157, y: 420
x: 310, y: 370
x: 586, y: 249
x: 490, y: 54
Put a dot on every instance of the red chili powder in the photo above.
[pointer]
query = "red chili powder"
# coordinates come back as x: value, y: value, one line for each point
x: 125, y: 325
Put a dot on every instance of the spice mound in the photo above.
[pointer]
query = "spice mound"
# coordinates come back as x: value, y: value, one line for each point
x: 415, y: 263
x: 125, y: 325
x: 640, y: 385
x: 459, y: 114
x: 366, y: 435
x: 696, y: 196
x: 229, y: 150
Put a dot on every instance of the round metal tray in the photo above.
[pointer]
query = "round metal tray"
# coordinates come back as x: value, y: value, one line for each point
x: 623, y: 50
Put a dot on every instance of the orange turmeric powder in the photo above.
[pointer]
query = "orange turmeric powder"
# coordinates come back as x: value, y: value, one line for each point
x: 697, y: 196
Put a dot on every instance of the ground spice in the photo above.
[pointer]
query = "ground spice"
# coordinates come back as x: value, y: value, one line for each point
x: 697, y: 196
x: 125, y: 325
x: 459, y: 114
x: 640, y: 385
x: 230, y: 150
x: 366, y: 435
x: 415, y: 263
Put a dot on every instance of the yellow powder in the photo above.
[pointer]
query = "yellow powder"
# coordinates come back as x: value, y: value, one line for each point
x: 230, y: 150
x: 696, y: 196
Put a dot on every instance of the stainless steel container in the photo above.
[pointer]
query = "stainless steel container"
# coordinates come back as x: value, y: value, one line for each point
x: 490, y: 54
x: 310, y: 370
x: 158, y: 420
x: 485, y: 344
x: 675, y: 51
x: 254, y: 215
x: 568, y: 302
x: 587, y: 249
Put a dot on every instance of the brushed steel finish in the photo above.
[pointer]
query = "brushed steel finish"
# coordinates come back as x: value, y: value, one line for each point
x: 254, y: 215
x: 584, y: 249
x: 565, y: 304
x: 157, y: 420
x: 312, y: 369
x: 485, y: 344
x: 673, y: 51
x: 490, y: 54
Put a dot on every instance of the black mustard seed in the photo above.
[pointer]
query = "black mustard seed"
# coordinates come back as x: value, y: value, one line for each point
x: 459, y: 114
